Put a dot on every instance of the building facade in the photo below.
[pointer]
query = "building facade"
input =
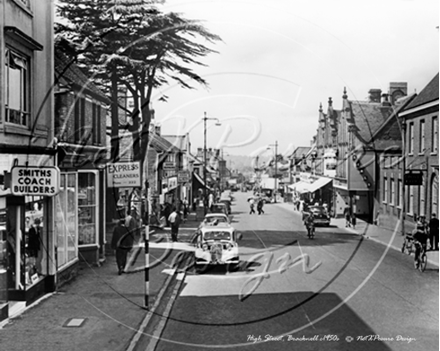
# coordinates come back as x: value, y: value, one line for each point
x: 420, y: 118
x: 28, y: 153
x: 80, y: 127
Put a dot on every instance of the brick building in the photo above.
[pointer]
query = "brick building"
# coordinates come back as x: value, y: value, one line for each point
x: 420, y: 118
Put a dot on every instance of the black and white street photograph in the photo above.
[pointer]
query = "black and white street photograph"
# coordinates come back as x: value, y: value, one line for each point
x: 210, y: 175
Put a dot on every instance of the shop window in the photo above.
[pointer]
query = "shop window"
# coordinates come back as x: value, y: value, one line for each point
x: 87, y: 208
x: 17, y: 91
x: 66, y: 219
x: 25, y: 244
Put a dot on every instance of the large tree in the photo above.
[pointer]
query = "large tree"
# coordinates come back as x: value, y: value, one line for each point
x: 131, y: 43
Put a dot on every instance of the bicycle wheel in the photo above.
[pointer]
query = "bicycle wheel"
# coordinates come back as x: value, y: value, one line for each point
x: 423, y: 262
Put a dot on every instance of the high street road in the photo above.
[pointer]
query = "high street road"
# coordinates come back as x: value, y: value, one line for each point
x: 336, y: 292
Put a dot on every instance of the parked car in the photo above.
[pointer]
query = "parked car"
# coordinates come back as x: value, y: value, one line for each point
x: 321, y: 215
x: 219, y: 207
x: 227, y: 202
x: 215, y: 218
x: 216, y: 245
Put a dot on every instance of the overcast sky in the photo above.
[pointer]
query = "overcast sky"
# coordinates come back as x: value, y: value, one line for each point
x: 280, y: 59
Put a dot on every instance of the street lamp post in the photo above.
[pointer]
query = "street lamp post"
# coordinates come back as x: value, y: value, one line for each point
x: 275, y: 175
x: 205, y: 118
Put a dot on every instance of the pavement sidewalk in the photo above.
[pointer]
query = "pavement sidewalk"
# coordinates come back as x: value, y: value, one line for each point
x: 98, y: 309
x: 384, y: 236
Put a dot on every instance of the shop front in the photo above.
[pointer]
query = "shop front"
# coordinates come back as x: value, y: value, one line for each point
x: 27, y: 255
x: 79, y: 218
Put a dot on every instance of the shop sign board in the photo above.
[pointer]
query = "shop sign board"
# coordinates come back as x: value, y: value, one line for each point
x: 413, y: 178
x: 124, y: 175
x: 168, y: 166
x: 35, y: 181
x: 183, y: 177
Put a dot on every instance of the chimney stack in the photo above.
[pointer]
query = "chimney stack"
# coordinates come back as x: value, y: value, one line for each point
x: 385, y: 101
x: 374, y: 95
x: 397, y: 90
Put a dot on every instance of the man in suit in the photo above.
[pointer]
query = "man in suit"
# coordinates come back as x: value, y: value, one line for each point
x: 122, y: 243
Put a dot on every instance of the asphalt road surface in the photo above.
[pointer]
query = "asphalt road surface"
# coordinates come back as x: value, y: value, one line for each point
x: 335, y: 292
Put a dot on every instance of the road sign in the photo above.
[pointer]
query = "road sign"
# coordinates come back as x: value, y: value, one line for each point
x: 183, y: 176
x: 413, y: 178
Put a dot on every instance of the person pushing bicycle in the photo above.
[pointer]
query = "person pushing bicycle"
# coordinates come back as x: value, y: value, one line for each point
x: 421, y: 236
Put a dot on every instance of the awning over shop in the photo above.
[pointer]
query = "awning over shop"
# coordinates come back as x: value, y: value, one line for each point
x: 200, y: 180
x: 304, y: 187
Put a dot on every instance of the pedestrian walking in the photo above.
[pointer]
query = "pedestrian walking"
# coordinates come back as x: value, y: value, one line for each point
x: 133, y: 224
x: 347, y: 217
x: 260, y: 205
x: 122, y: 243
x: 174, y: 220
x: 433, y: 232
x: 251, y: 205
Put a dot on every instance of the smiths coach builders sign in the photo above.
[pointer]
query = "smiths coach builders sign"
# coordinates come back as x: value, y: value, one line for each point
x: 35, y: 181
x: 124, y: 175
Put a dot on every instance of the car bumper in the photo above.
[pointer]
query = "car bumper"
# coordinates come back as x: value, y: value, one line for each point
x: 205, y: 257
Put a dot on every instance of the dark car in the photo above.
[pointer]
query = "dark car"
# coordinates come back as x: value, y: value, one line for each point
x: 227, y: 202
x: 320, y: 213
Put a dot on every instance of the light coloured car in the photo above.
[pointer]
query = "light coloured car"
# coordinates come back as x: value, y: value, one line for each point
x: 211, y: 218
x: 216, y: 245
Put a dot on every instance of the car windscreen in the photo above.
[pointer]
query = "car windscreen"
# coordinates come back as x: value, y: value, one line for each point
x: 218, y: 235
x: 219, y: 219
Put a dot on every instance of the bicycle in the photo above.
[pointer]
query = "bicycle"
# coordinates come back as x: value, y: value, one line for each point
x: 408, y: 244
x: 420, y: 259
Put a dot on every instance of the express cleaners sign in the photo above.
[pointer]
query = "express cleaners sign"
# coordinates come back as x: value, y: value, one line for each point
x: 35, y: 181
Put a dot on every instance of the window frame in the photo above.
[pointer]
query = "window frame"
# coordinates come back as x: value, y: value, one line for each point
x: 385, y: 190
x: 422, y: 136
x: 24, y: 87
x: 434, y: 135
x: 411, y: 138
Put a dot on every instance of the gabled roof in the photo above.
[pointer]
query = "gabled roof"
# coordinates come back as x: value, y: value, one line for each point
x: 161, y: 144
x: 69, y: 74
x: 367, y: 117
x: 179, y: 141
x: 389, y: 133
x: 428, y: 94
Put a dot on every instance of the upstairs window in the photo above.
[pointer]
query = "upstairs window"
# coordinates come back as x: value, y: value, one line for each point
x: 17, y: 91
x: 434, y: 137
x: 422, y: 137
x: 411, y: 139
